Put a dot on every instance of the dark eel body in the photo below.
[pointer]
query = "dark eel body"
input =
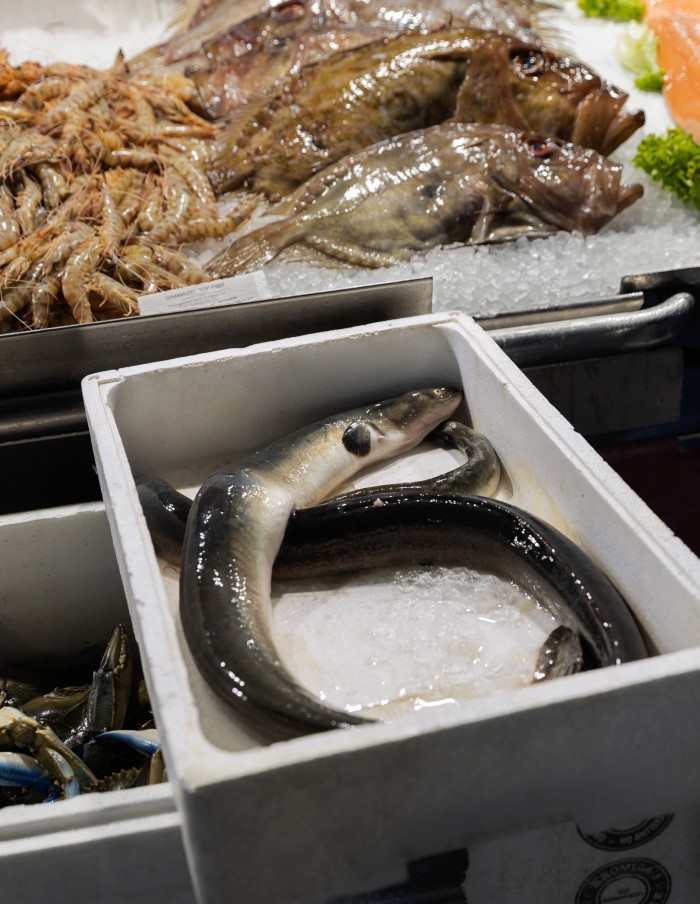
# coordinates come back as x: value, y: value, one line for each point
x: 406, y: 527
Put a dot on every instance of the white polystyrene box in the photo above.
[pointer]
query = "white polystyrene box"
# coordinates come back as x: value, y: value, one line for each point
x: 60, y: 594
x: 306, y: 819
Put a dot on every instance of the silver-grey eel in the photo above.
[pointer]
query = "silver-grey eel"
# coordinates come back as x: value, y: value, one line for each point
x: 166, y: 510
x: 235, y: 529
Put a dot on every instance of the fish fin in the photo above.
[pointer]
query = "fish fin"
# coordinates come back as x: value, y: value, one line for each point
x: 544, y: 15
x: 354, y: 254
x: 253, y: 250
x: 179, y: 22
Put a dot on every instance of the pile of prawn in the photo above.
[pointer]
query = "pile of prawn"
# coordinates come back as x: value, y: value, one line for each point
x: 101, y: 184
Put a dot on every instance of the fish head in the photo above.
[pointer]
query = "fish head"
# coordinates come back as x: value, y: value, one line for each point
x: 561, y: 184
x: 526, y: 86
x: 395, y: 425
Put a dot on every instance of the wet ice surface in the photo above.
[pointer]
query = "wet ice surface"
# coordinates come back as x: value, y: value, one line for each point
x: 387, y: 642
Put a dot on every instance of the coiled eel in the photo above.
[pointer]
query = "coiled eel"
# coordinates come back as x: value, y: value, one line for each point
x: 394, y: 527
x: 234, y: 532
x: 439, y: 528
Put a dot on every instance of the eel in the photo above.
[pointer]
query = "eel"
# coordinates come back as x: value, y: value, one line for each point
x: 166, y: 510
x: 398, y: 526
x: 234, y: 531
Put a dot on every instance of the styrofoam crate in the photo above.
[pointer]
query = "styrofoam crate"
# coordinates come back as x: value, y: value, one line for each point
x: 310, y: 818
x: 61, y: 594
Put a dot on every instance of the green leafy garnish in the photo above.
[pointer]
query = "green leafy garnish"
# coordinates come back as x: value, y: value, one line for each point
x: 673, y: 160
x: 618, y: 10
x: 637, y: 50
x: 650, y: 81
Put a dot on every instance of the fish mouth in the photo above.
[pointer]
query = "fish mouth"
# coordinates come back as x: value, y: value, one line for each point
x: 605, y: 197
x: 589, y: 201
x: 600, y: 123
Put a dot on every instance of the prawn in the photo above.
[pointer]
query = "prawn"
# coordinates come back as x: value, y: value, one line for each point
x: 195, y: 230
x: 178, y: 200
x: 53, y: 183
x: 29, y: 203
x: 43, y: 298
x: 81, y: 97
x: 28, y: 148
x: 10, y: 229
x: 77, y: 274
x: 198, y: 181
x: 114, y: 294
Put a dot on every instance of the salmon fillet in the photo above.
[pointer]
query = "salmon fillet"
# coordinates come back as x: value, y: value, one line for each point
x: 676, y: 24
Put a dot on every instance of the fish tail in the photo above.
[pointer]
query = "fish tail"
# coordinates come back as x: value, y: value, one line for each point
x: 253, y: 250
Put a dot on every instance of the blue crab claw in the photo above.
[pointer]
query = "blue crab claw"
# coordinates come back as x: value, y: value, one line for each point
x: 145, y: 741
x: 69, y: 783
x: 111, y: 684
x: 18, y: 770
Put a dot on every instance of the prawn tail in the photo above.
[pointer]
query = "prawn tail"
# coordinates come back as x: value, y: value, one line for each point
x: 252, y: 251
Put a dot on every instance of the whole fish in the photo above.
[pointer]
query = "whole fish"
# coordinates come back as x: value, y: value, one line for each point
x: 166, y: 510
x: 225, y: 82
x: 360, y: 97
x: 234, y: 532
x: 451, y: 183
x: 401, y: 527
x: 240, y: 64
x: 248, y: 59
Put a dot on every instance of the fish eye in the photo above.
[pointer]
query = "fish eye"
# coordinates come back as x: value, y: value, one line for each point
x: 542, y: 148
x: 289, y: 12
x: 528, y: 62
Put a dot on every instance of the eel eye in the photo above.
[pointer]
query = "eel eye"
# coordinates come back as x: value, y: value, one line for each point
x: 541, y: 147
x: 528, y: 62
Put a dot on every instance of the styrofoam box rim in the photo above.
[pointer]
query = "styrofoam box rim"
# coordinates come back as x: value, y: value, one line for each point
x: 187, y: 749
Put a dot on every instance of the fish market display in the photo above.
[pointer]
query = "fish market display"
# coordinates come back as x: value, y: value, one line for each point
x: 236, y: 527
x: 110, y: 180
x: 358, y: 98
x: 58, y: 742
x: 452, y: 183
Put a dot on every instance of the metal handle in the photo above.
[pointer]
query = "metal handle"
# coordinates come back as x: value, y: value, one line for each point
x: 599, y: 334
